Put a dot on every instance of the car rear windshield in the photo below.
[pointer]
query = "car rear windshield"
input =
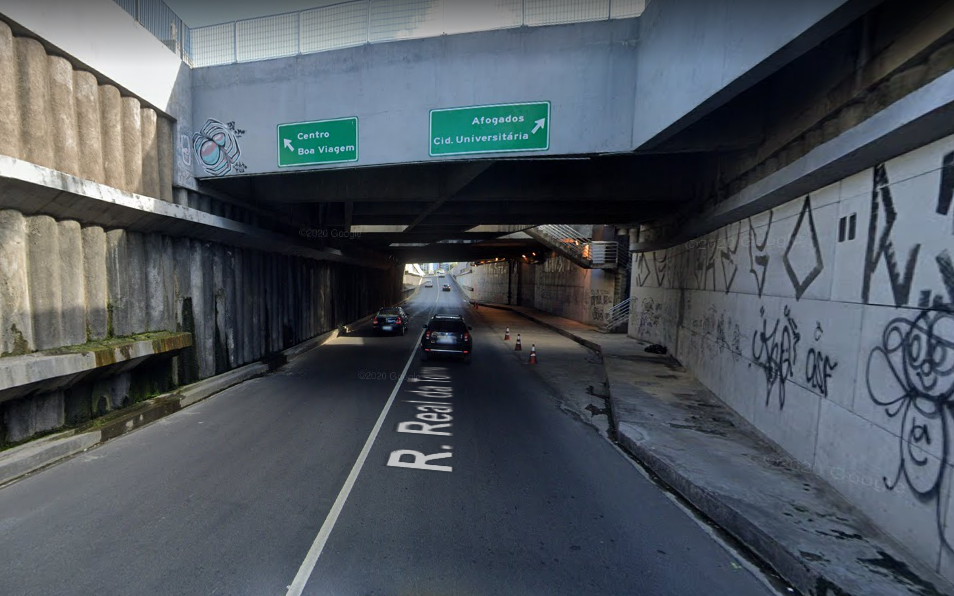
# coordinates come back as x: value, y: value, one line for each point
x: 388, y: 311
x: 452, y: 326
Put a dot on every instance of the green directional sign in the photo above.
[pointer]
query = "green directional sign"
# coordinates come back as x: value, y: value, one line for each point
x: 317, y: 142
x: 490, y: 129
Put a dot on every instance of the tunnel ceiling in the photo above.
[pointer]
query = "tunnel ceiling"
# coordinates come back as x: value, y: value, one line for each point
x: 471, y: 209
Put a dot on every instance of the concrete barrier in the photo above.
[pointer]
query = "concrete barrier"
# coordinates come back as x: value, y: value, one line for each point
x: 89, y: 126
x: 34, y: 102
x: 114, y: 164
x: 63, y: 107
x: 72, y: 283
x: 16, y: 320
x: 150, y: 153
x: 44, y: 278
x: 94, y: 282
x: 132, y: 143
x: 9, y: 104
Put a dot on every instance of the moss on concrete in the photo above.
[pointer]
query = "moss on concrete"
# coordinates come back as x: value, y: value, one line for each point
x: 20, y: 345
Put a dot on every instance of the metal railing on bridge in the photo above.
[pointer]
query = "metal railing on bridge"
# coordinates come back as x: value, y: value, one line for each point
x: 579, y: 248
x: 373, y: 21
x: 162, y: 22
x: 616, y: 316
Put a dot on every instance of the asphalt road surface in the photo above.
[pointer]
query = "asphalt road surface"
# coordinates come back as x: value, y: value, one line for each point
x: 358, y: 469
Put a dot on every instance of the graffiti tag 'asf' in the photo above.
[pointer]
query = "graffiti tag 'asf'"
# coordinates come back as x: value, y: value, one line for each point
x: 776, y: 353
x: 217, y: 148
x: 919, y: 354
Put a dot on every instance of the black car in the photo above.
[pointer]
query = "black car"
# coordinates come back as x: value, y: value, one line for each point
x: 390, y: 320
x: 447, y: 335
x: 446, y: 288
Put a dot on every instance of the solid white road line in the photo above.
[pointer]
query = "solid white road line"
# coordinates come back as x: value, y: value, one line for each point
x: 311, y: 559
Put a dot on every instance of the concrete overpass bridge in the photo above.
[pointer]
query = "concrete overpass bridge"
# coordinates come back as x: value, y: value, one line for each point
x: 760, y: 170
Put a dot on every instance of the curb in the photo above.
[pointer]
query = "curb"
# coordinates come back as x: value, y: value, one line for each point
x: 29, y: 457
x: 769, y: 548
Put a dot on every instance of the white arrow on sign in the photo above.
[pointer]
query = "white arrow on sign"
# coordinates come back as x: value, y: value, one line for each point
x: 288, y: 145
x: 541, y: 123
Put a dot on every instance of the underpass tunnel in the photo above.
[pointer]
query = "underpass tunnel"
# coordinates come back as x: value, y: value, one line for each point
x: 173, y: 223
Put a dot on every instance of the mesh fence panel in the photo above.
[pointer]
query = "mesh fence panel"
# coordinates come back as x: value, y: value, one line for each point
x: 405, y: 19
x: 366, y: 21
x: 338, y: 26
x: 553, y: 12
x: 462, y: 16
x: 266, y: 37
x: 213, y: 45
x: 129, y: 6
x: 624, y: 9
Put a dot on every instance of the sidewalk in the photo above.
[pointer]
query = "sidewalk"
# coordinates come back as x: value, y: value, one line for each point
x: 716, y: 460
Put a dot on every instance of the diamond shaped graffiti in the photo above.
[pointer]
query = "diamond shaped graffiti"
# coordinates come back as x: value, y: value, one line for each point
x: 804, y: 246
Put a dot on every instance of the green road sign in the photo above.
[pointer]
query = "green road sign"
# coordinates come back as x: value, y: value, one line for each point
x: 318, y: 142
x: 490, y: 129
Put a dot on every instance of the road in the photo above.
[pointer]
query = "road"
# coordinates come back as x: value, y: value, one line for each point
x: 257, y: 489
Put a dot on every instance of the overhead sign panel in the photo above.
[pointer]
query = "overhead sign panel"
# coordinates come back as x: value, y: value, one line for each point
x: 495, y: 128
x: 317, y: 142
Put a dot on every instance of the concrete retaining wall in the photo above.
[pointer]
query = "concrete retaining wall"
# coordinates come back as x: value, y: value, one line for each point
x: 62, y: 118
x: 828, y: 322
x: 557, y: 286
x: 63, y: 284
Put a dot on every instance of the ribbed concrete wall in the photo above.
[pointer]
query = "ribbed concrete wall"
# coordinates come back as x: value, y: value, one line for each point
x: 64, y: 284
x: 62, y: 118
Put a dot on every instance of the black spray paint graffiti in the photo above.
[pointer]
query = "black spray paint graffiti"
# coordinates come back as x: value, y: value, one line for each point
x: 918, y: 389
x: 217, y: 148
x: 776, y: 353
x: 760, y: 260
x: 945, y: 195
x: 642, y: 270
x: 881, y: 246
x: 798, y: 238
x: 660, y: 264
x: 818, y: 366
x: 729, y: 266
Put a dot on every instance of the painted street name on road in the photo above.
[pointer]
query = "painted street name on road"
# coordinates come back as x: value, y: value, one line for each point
x: 433, y: 419
x: 490, y: 129
x: 317, y: 142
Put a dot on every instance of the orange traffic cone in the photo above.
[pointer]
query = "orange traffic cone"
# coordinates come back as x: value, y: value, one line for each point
x: 507, y: 335
x: 518, y: 347
x: 533, y: 354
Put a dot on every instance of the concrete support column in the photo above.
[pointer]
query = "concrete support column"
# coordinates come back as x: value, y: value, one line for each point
x: 258, y: 303
x: 231, y: 305
x: 9, y: 104
x: 111, y: 104
x: 132, y: 144
x: 16, y: 320
x: 136, y: 273
x: 203, y: 307
x: 220, y: 343
x: 169, y: 286
x: 72, y: 283
x: 164, y: 134
x: 89, y: 126
x: 117, y: 283
x: 34, y: 85
x: 94, y: 283
x: 43, y: 255
x: 63, y: 104
x: 180, y: 196
x: 25, y: 417
x: 156, y: 280
x: 150, y: 153
x: 241, y: 324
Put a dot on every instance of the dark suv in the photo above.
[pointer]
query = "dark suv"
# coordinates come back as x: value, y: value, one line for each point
x: 390, y: 320
x: 447, y: 335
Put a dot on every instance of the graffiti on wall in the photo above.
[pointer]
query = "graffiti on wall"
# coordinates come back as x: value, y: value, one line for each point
x: 776, y: 352
x: 729, y: 266
x: 660, y: 265
x: 217, y: 148
x: 758, y: 258
x: 599, y: 301
x: 819, y: 366
x: 641, y: 270
x: 918, y: 353
x: 804, y: 239
x: 881, y: 245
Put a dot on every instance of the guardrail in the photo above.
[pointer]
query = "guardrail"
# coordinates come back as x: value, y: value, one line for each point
x: 373, y: 21
x: 162, y: 22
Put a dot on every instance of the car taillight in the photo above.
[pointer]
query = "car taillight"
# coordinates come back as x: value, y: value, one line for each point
x: 375, y: 321
x: 427, y: 335
x: 467, y: 337
x: 398, y: 321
